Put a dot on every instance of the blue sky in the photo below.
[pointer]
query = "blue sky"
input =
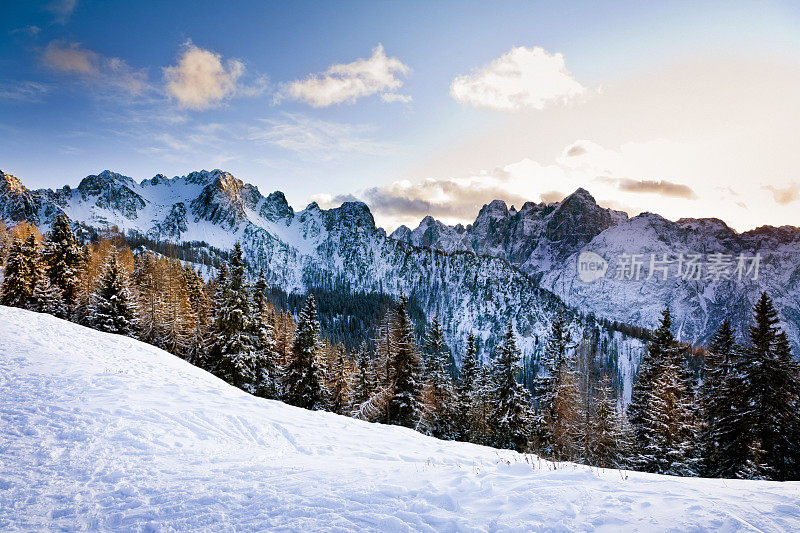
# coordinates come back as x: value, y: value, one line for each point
x: 89, y: 85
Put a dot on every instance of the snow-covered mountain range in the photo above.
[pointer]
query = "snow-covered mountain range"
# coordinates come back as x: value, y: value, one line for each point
x: 103, y: 432
x: 340, y: 248
x: 546, y: 241
x: 508, y: 264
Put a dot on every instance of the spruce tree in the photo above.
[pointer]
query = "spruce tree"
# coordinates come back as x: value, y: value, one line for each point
x: 233, y: 350
x: 466, y: 389
x: 22, y: 273
x: 112, y: 307
x: 715, y: 398
x: 47, y: 298
x: 440, y: 403
x: 266, y: 373
x: 63, y: 259
x: 434, y: 343
x: 661, y: 408
x: 303, y: 379
x: 545, y: 384
x: 759, y: 436
x: 364, y: 385
x: 339, y: 387
x: 607, y: 439
x: 403, y: 406
x: 510, y: 417
x: 199, y: 329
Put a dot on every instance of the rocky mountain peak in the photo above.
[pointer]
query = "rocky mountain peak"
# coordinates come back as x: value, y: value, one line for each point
x: 16, y: 201
x: 350, y: 215
x: 493, y: 210
x: 276, y: 207
x: 11, y: 184
x: 402, y: 233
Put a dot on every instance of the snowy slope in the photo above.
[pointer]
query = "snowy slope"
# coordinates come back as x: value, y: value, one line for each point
x: 104, y: 432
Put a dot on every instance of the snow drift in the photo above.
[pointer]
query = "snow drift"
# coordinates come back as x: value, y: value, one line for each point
x: 104, y: 432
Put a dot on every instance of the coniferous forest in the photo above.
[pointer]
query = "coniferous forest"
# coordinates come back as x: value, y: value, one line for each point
x: 736, y: 414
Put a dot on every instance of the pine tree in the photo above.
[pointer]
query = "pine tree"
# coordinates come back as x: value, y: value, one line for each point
x: 715, y: 398
x: 22, y: 272
x: 439, y: 418
x: 364, y: 385
x: 661, y: 406
x: 233, y: 350
x: 483, y: 407
x: 112, y: 308
x: 199, y: 333
x: 303, y: 380
x: 433, y: 343
x: 607, y: 439
x: 47, y: 298
x: 510, y: 416
x: 466, y: 389
x: 339, y: 386
x: 266, y: 373
x: 759, y: 435
x: 62, y: 255
x: 546, y: 383
x: 403, y: 406
x: 563, y: 426
x: 148, y: 280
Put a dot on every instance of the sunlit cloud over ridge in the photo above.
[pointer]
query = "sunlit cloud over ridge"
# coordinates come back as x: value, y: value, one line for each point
x: 521, y: 79
x: 347, y: 82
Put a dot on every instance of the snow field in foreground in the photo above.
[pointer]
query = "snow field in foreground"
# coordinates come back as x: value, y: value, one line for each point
x: 104, y: 432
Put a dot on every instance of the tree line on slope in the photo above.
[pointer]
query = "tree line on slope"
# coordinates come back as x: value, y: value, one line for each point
x: 739, y: 416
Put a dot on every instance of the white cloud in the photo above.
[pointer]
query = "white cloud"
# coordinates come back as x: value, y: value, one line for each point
x: 350, y: 81
x: 317, y: 139
x: 581, y: 164
x: 524, y: 78
x: 200, y: 80
x: 103, y: 72
x: 62, y: 10
x: 30, y: 31
x: 395, y: 97
x: 25, y: 91
x: 71, y: 58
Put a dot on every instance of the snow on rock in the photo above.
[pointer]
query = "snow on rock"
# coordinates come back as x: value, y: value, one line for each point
x: 103, y: 432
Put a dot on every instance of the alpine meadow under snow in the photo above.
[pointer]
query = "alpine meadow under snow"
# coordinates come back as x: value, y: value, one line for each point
x: 105, y: 432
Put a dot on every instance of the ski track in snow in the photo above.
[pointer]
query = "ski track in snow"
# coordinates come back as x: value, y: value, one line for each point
x: 101, y: 432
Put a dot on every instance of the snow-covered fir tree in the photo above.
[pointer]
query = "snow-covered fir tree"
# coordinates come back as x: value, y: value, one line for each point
x: 511, y: 413
x: 760, y: 435
x: 22, y: 272
x: 546, y: 381
x: 199, y: 328
x: 303, y: 375
x: 607, y: 440
x: 466, y: 390
x: 63, y: 259
x: 47, y: 298
x: 233, y: 348
x: 338, y: 376
x: 266, y: 367
x: 715, y: 397
x: 403, y: 406
x: 439, y: 417
x: 661, y: 409
x: 364, y: 383
x: 112, y: 307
